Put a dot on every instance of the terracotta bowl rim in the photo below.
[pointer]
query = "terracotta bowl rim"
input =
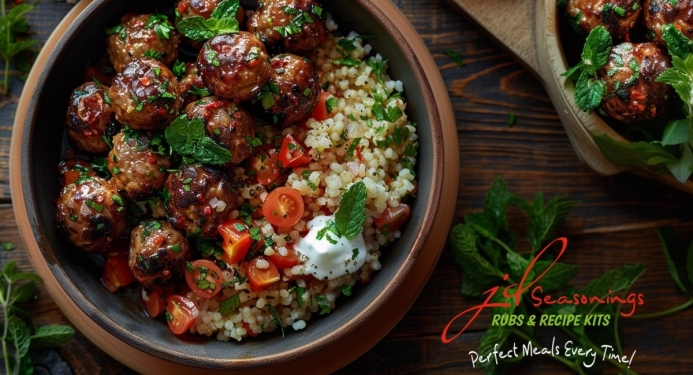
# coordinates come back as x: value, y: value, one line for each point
x: 24, y: 188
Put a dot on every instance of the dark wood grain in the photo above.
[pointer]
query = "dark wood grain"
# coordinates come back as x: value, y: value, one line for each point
x: 612, y: 225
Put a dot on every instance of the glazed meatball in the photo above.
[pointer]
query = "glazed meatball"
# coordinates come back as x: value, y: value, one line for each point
x: 203, y: 8
x: 227, y: 124
x: 202, y: 198
x: 157, y: 254
x: 292, y: 90
x: 292, y: 25
x: 90, y: 119
x: 632, y: 94
x: 234, y: 66
x: 146, y: 95
x: 142, y: 35
x: 91, y: 213
x: 191, y: 85
x: 136, y: 168
x: 617, y: 16
x: 662, y: 12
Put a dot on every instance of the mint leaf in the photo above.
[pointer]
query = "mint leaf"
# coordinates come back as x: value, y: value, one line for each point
x: 496, y: 335
x: 195, y: 28
x: 51, y: 336
x: 588, y: 92
x: 675, y: 255
x: 226, y: 10
x: 478, y: 272
x: 496, y: 202
x: 352, y: 211
x: 518, y: 265
x: 544, y: 219
x: 678, y: 44
x: 23, y: 293
x: 19, y: 336
x: 595, y: 53
x: 222, y: 21
x: 676, y: 132
x: 680, y: 76
x: 229, y: 304
x: 682, y: 168
x: 224, y: 26
x: 611, y: 283
x: 557, y: 277
x: 187, y: 138
x: 640, y: 154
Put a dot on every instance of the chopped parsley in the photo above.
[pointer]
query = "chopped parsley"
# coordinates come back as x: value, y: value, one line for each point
x: 176, y: 248
x: 159, y: 23
x: 94, y: 205
x: 324, y: 304
x: 229, y: 304
x: 331, y: 104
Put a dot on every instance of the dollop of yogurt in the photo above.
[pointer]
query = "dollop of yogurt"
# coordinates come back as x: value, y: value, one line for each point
x: 327, y: 254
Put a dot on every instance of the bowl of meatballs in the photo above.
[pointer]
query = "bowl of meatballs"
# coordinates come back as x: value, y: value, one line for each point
x: 232, y: 185
x: 608, y: 67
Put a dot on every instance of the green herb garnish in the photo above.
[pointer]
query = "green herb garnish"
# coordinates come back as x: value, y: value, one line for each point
x: 222, y: 21
x: 188, y: 139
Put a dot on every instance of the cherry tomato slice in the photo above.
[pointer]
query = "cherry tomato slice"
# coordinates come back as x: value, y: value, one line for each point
x: 320, y: 111
x: 292, y: 154
x: 393, y: 218
x: 153, y: 302
x: 71, y: 170
x: 237, y: 241
x: 204, y: 278
x: 261, y: 278
x: 180, y: 313
x: 266, y: 167
x: 283, y: 207
x: 248, y: 330
x: 291, y: 259
x: 117, y: 273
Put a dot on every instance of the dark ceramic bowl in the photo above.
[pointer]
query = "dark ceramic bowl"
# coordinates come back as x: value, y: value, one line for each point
x: 37, y: 150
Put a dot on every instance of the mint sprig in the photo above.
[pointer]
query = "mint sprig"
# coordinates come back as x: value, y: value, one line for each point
x: 222, y: 21
x: 188, y: 139
x: 18, y: 332
x: 486, y: 250
x: 352, y: 211
x: 589, y: 90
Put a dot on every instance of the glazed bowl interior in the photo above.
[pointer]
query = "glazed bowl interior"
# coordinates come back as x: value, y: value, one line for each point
x: 79, y: 274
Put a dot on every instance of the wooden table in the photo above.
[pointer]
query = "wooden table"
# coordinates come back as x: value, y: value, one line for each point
x: 612, y: 225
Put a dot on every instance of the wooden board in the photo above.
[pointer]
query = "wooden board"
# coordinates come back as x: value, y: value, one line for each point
x: 512, y: 27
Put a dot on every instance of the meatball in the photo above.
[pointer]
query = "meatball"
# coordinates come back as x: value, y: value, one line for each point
x: 663, y: 12
x: 203, y: 8
x: 158, y: 254
x: 137, y: 169
x: 90, y: 119
x: 632, y: 94
x: 295, y: 25
x: 292, y: 90
x: 91, y: 213
x: 146, y: 95
x: 234, y: 66
x: 617, y: 16
x: 202, y: 198
x: 142, y: 35
x: 191, y: 85
x: 227, y: 124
